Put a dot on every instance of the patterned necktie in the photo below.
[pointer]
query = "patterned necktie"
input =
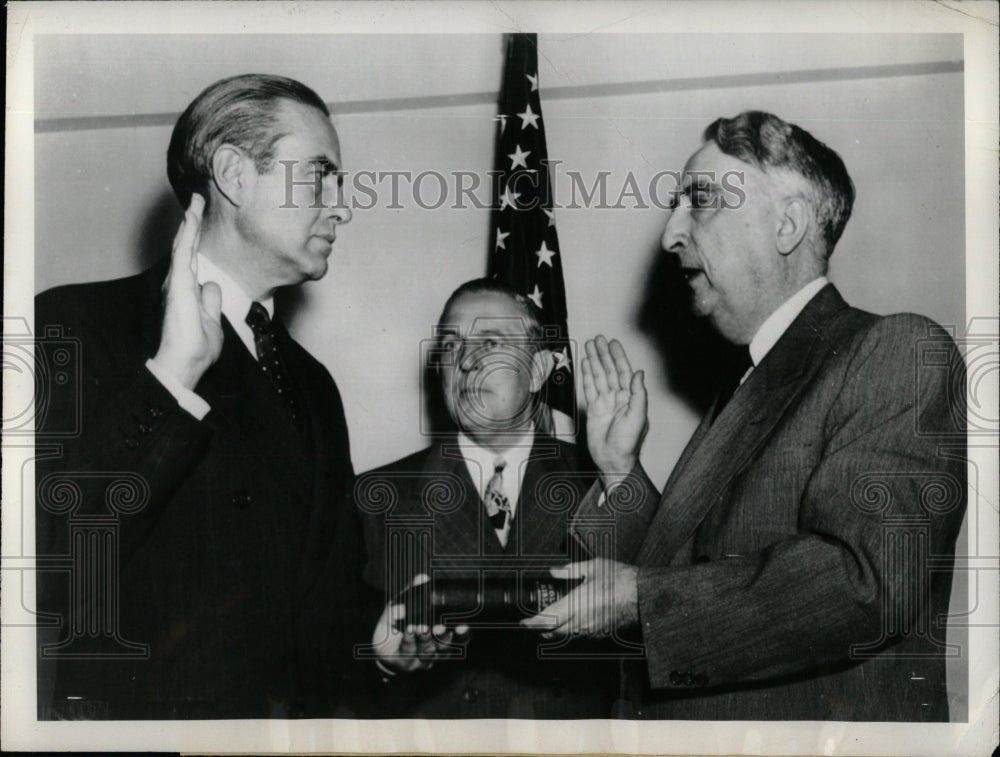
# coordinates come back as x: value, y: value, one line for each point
x: 497, y: 504
x: 269, y: 356
x: 740, y: 365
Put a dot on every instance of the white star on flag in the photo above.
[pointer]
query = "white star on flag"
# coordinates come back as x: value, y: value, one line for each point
x: 528, y: 117
x: 509, y: 198
x: 533, y: 80
x: 562, y: 360
x: 502, y: 235
x: 536, y: 297
x: 517, y: 158
x: 551, y: 215
x: 545, y: 255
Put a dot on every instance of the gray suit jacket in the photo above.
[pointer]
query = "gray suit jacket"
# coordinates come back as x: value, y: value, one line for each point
x: 799, y: 561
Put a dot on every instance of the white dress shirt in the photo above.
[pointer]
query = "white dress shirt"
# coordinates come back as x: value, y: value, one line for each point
x: 235, y: 306
x: 778, y: 322
x: 481, y: 462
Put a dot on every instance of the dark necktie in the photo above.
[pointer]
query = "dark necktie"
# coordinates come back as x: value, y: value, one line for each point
x: 740, y: 365
x: 497, y: 504
x: 269, y: 356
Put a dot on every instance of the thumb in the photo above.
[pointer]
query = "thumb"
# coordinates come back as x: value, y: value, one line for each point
x: 572, y: 571
x: 211, y: 300
x: 637, y: 389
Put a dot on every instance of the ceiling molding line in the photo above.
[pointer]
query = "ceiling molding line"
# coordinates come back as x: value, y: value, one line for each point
x: 583, y: 91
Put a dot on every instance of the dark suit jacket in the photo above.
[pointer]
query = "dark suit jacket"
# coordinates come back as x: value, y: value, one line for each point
x: 798, y: 563
x: 425, y: 515
x: 226, y: 577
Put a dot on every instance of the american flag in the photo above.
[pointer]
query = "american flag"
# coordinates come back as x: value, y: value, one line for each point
x: 524, y: 246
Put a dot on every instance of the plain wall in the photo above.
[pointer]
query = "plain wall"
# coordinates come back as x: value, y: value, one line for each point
x: 104, y: 208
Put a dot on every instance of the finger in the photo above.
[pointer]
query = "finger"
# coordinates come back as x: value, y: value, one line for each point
x: 597, y: 367
x: 408, y: 646
x: 426, y: 647
x: 589, y: 390
x: 551, y: 617
x: 442, y: 641
x: 561, y: 572
x: 182, y: 257
x: 576, y: 570
x: 211, y: 300
x: 461, y: 632
x: 556, y: 633
x: 622, y: 365
x: 607, y: 362
x: 420, y: 578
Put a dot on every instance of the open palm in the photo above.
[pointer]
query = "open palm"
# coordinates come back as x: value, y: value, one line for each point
x: 616, y: 406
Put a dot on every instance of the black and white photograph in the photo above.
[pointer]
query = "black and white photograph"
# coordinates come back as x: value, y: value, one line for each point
x: 501, y: 378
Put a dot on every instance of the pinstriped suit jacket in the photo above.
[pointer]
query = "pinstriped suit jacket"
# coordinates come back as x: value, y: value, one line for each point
x: 798, y: 563
x: 504, y: 674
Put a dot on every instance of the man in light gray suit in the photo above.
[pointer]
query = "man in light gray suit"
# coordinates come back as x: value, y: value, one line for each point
x: 798, y: 563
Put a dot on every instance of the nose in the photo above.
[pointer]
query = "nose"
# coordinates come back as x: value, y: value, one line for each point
x: 676, y: 232
x: 467, y: 357
x: 340, y: 212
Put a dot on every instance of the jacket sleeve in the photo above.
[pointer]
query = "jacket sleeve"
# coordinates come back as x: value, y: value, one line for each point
x: 115, y: 440
x: 807, y: 601
x: 614, y: 526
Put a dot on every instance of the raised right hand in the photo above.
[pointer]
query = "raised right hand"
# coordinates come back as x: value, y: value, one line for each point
x: 616, y: 408
x: 191, y: 339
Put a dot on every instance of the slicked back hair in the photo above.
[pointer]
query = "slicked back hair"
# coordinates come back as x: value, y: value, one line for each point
x: 533, y: 320
x: 241, y: 111
x: 767, y: 142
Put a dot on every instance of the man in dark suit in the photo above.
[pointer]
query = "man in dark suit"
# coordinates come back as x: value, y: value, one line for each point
x: 201, y: 490
x: 490, y: 501
x: 798, y: 562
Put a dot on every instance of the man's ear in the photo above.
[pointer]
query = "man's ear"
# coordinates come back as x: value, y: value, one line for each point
x: 229, y: 172
x: 793, y: 224
x: 541, y: 366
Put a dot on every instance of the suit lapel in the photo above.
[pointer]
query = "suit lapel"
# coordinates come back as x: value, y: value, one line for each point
x: 457, y: 530
x: 244, y: 403
x: 540, y: 532
x: 719, y: 451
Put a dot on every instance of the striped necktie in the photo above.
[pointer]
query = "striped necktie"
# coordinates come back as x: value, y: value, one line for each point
x: 497, y: 504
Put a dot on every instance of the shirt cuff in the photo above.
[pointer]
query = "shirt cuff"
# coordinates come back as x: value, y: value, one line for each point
x: 187, y: 399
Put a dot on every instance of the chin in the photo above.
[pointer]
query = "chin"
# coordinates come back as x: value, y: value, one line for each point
x: 318, y: 271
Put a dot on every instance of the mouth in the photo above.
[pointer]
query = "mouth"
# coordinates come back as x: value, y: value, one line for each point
x: 328, y: 238
x: 690, y: 273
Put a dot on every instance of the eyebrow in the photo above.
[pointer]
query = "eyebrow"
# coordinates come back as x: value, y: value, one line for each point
x: 327, y: 166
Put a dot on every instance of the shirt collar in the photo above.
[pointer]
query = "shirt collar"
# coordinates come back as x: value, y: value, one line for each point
x: 480, y: 462
x: 235, y: 302
x: 778, y: 322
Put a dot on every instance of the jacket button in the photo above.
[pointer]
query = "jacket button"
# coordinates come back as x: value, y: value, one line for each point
x: 241, y: 499
x: 688, y: 679
x: 675, y: 678
x: 155, y: 411
x: 144, y: 428
x: 131, y: 442
x: 470, y: 694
